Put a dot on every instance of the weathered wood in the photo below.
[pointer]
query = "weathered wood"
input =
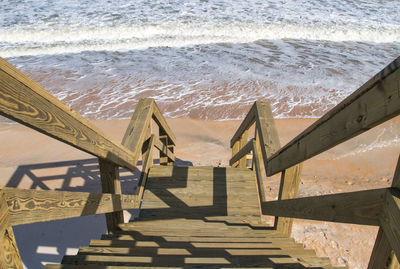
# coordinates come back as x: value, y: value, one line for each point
x: 289, y: 187
x: 163, y: 148
x: 164, y: 140
x: 258, y: 166
x: 9, y: 254
x: 162, y: 124
x: 235, y: 150
x: 242, y: 153
x: 31, y: 206
x: 361, y: 207
x: 382, y: 255
x: 245, y: 125
x: 147, y: 164
x: 376, y: 101
x: 24, y: 101
x: 243, y: 143
x: 390, y: 219
x: 110, y: 183
x: 135, y: 134
x: 268, y: 134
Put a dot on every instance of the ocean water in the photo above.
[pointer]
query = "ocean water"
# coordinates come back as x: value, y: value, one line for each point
x: 202, y: 59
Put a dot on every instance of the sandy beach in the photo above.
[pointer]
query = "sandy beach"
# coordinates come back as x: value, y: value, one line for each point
x: 29, y: 159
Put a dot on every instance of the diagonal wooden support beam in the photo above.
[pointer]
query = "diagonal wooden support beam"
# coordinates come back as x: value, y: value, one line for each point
x: 25, y: 101
x: 377, y: 101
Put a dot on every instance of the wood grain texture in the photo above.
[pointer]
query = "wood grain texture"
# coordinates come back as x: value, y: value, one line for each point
x: 390, y: 219
x: 258, y: 166
x: 289, y: 188
x: 235, y: 150
x: 162, y: 124
x: 376, y: 101
x: 9, y: 254
x: 381, y: 256
x: 245, y: 125
x: 362, y: 207
x: 164, y: 140
x: 110, y: 183
x: 242, y: 153
x: 135, y: 134
x: 24, y: 101
x: 31, y: 206
x: 268, y: 134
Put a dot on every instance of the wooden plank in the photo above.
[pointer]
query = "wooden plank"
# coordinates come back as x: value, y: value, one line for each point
x: 235, y: 150
x: 163, y: 148
x: 162, y: 124
x: 164, y: 140
x: 31, y: 206
x: 289, y: 187
x: 245, y: 125
x: 242, y: 153
x: 361, y: 207
x: 243, y: 143
x: 390, y: 219
x: 268, y: 134
x: 382, y: 255
x: 147, y: 164
x: 136, y: 132
x: 258, y: 166
x: 24, y: 101
x: 377, y: 101
x: 9, y: 254
x: 110, y: 183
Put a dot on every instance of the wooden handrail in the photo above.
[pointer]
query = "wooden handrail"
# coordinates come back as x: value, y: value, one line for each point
x: 377, y: 101
x: 25, y: 101
x: 9, y: 254
x: 30, y: 206
x: 361, y: 207
x: 242, y: 152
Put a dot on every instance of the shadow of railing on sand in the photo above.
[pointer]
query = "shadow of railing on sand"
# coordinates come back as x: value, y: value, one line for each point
x: 48, y: 242
x: 45, y: 242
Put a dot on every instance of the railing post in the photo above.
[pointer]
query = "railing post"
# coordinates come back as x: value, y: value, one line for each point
x: 110, y: 183
x: 243, y: 142
x: 289, y: 187
x: 164, y: 139
x: 235, y: 150
x: 9, y: 254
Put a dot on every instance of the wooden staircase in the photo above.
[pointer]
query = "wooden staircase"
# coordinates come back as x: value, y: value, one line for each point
x: 201, y: 216
x: 196, y: 217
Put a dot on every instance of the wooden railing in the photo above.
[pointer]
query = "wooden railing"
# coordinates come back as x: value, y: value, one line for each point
x: 376, y: 101
x: 24, y: 101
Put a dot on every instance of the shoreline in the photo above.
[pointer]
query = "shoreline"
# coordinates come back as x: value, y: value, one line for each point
x: 364, y: 162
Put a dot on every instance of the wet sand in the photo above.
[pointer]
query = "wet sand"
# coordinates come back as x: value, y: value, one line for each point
x: 29, y: 159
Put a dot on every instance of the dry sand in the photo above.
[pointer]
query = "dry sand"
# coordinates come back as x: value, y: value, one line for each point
x: 31, y: 160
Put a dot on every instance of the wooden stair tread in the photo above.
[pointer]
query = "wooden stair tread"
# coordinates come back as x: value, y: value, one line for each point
x: 196, y: 217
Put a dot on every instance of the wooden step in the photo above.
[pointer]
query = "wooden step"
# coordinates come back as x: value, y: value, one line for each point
x: 263, y: 261
x: 196, y: 217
